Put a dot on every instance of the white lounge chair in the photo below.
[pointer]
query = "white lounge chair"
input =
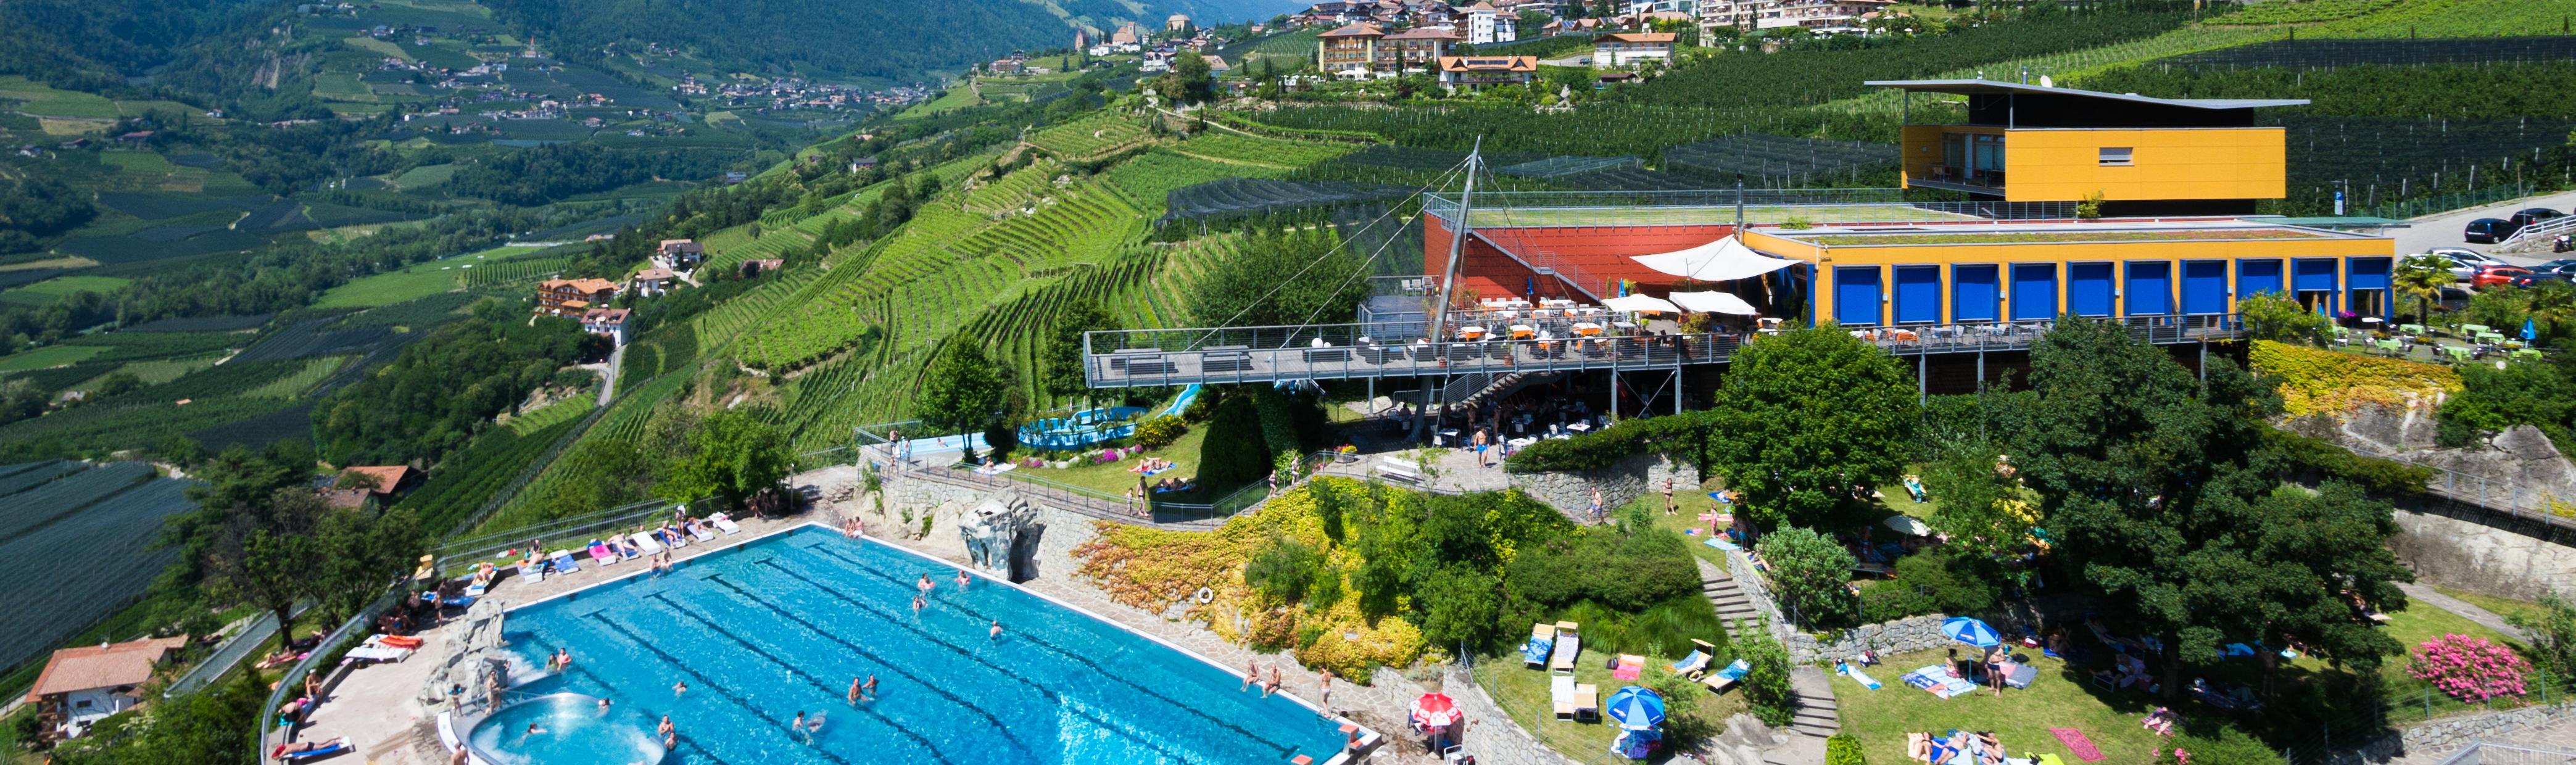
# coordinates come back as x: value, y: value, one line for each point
x: 1569, y: 646
x: 699, y: 532
x: 725, y: 524
x: 644, y: 541
x: 1560, y: 694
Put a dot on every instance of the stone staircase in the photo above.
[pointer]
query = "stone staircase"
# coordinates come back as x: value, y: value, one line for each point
x: 1732, y: 606
x: 1818, y: 715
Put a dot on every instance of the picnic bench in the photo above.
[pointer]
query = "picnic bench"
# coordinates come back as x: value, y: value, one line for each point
x: 1226, y: 358
x: 1396, y: 471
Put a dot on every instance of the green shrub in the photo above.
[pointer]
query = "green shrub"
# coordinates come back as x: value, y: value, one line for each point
x: 1670, y: 434
x: 1808, y: 574
x: 2381, y: 476
x: 1202, y: 407
x: 1623, y: 571
x: 1844, y: 749
x: 2274, y: 316
x: 1888, y: 600
x: 1949, y: 580
x: 1282, y: 571
x: 1766, y: 679
x: 1233, y: 453
x: 1161, y: 431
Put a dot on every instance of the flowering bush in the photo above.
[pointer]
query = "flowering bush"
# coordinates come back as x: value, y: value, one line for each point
x: 2469, y: 668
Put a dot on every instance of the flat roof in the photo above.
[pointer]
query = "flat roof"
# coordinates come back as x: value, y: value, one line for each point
x: 2054, y: 232
x: 1990, y: 87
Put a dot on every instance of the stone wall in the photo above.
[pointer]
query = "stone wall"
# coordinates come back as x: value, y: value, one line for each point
x: 2442, y: 736
x: 1758, y: 593
x: 1637, y: 475
x: 2483, y: 558
x: 1914, y: 633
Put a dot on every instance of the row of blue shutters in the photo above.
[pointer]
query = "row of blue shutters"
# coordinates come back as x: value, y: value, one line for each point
x: 1977, y: 289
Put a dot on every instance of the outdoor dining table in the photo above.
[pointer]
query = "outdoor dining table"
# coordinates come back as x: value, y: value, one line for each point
x: 1579, y: 428
x: 2411, y: 329
x: 1470, y: 332
x: 2370, y: 320
x: 2527, y: 353
x: 1623, y: 325
x: 2491, y: 336
x: 1587, y: 329
x: 2390, y: 346
x: 2458, y: 353
x: 2473, y: 330
x: 1555, y: 303
x: 1523, y: 331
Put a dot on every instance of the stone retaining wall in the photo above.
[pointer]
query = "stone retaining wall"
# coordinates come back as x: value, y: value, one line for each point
x: 1636, y: 475
x: 1914, y: 633
x: 2440, y: 737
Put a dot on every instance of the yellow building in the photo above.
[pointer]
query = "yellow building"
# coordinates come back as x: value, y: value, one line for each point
x: 2139, y: 155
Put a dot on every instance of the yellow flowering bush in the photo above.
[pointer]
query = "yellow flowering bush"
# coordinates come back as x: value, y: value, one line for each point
x: 1352, y: 647
x: 2316, y: 381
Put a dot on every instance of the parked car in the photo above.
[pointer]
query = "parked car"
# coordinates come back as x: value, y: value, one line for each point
x: 2530, y: 215
x: 2537, y: 278
x: 2489, y: 276
x: 2488, y: 230
x: 2555, y: 264
x: 2464, y: 264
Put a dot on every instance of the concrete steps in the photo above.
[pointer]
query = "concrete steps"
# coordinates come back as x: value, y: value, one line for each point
x: 1732, y: 605
x: 1818, y: 715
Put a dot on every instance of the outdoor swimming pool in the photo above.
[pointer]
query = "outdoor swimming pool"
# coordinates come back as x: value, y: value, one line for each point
x: 783, y: 625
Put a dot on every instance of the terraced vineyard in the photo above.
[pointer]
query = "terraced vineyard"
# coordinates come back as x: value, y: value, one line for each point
x: 1147, y: 181
x: 1014, y: 192
x: 1227, y: 146
x: 511, y: 273
x: 1089, y: 137
x: 313, y: 373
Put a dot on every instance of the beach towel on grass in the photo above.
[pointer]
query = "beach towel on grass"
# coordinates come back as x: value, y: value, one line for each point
x: 1722, y: 544
x: 1857, y: 676
x: 2077, y: 743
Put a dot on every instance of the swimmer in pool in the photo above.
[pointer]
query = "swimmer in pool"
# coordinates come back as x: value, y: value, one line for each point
x: 799, y: 727
x: 533, y: 729
x: 925, y: 585
x: 680, y: 688
x: 917, y: 603
x: 670, y: 735
x: 997, y: 629
x: 603, y: 707
x: 854, y: 690
x: 868, y: 690
x: 962, y: 579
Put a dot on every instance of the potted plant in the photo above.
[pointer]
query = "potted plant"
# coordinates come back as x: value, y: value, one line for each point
x: 1346, y: 454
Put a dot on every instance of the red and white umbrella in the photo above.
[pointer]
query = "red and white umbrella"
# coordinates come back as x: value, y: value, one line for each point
x: 1435, y: 710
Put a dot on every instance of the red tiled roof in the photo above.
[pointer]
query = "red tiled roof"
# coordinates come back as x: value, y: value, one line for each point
x: 605, y: 316
x: 1637, y: 37
x: 1356, y: 30
x: 1428, y: 33
x: 107, y: 666
x: 387, y: 477
x: 1489, y: 63
x: 653, y: 274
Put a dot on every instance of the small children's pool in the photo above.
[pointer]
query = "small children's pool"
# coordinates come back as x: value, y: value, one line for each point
x: 783, y: 625
x: 567, y: 728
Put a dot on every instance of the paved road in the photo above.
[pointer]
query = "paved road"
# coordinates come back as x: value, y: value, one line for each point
x: 2444, y: 230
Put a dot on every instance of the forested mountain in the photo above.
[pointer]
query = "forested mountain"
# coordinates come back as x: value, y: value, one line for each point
x: 890, y: 38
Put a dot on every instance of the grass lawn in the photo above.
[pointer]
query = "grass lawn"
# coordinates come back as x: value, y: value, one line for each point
x: 958, y: 97
x: 48, y: 357
x: 70, y: 261
x: 1114, y: 480
x: 43, y: 101
x: 1523, y: 693
x: 46, y: 292
x: 420, y: 280
x: 2064, y: 697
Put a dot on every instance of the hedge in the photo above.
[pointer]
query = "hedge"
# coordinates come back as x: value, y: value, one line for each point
x: 2380, y: 476
x: 2316, y: 381
x: 1677, y: 434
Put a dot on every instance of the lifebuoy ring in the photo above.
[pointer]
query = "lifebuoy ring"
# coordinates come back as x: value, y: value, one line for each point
x: 1205, y: 596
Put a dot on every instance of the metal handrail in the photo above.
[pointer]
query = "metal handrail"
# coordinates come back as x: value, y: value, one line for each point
x: 1132, y: 358
x: 290, y: 683
x: 2538, y: 229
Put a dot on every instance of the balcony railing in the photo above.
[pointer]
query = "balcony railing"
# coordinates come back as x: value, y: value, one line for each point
x: 1953, y: 175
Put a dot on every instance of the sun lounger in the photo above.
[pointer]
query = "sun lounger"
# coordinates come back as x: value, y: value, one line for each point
x: 644, y: 541
x: 1569, y: 645
x: 532, y: 574
x: 373, y: 650
x: 1560, y: 694
x: 1630, y: 666
x: 1697, y: 661
x: 564, y: 563
x: 725, y: 524
x: 699, y: 532
x: 1541, y: 642
x: 1587, y: 702
x: 399, y: 641
x: 1720, y: 680
x: 2021, y: 676
x: 1723, y: 543
x: 601, y: 552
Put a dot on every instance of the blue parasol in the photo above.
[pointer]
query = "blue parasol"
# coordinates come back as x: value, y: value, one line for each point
x: 2529, y: 332
x: 1637, y: 708
x: 1971, y: 631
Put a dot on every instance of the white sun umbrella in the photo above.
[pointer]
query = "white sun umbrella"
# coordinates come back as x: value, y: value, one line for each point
x: 1907, y: 524
x: 1637, y: 303
x: 1726, y: 259
x: 1713, y: 302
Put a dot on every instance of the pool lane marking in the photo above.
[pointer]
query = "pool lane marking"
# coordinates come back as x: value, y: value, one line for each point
x: 674, y: 661
x: 1031, y: 636
x: 1284, y: 751
x: 745, y: 705
x: 584, y: 670
x: 890, y: 667
x: 809, y: 678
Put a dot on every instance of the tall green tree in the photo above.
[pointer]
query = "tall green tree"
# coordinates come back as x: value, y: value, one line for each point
x: 1808, y: 573
x: 2274, y: 316
x: 1808, y: 419
x: 2164, y: 491
x: 732, y: 456
x: 249, y: 540
x: 1277, y: 279
x: 963, y: 391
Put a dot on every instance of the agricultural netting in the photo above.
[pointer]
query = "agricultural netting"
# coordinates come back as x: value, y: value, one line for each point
x: 2383, y: 161
x: 1771, y: 161
x: 2316, y: 53
x: 1559, y: 167
x: 1235, y: 197
x: 80, y: 547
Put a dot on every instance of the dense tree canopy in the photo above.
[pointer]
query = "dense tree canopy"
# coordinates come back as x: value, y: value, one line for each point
x: 447, y: 386
x: 732, y: 456
x: 1809, y: 418
x: 962, y: 391
x: 2165, y: 490
x: 1281, y: 279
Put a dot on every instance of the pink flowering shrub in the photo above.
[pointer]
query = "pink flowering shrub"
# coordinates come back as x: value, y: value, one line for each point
x: 2469, y: 668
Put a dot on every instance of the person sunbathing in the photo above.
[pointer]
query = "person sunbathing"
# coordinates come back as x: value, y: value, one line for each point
x: 303, y: 747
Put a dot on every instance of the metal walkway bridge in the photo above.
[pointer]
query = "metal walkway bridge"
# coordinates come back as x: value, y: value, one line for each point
x: 1161, y: 357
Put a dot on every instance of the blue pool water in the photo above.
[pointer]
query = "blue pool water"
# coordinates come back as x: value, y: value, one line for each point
x: 784, y: 624
x: 569, y: 728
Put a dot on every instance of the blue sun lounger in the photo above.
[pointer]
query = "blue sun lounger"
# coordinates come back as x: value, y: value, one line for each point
x: 564, y: 562
x: 337, y: 746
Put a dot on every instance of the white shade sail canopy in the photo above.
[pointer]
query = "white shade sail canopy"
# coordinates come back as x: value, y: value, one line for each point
x: 1713, y: 302
x: 1635, y: 303
x: 1726, y: 259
